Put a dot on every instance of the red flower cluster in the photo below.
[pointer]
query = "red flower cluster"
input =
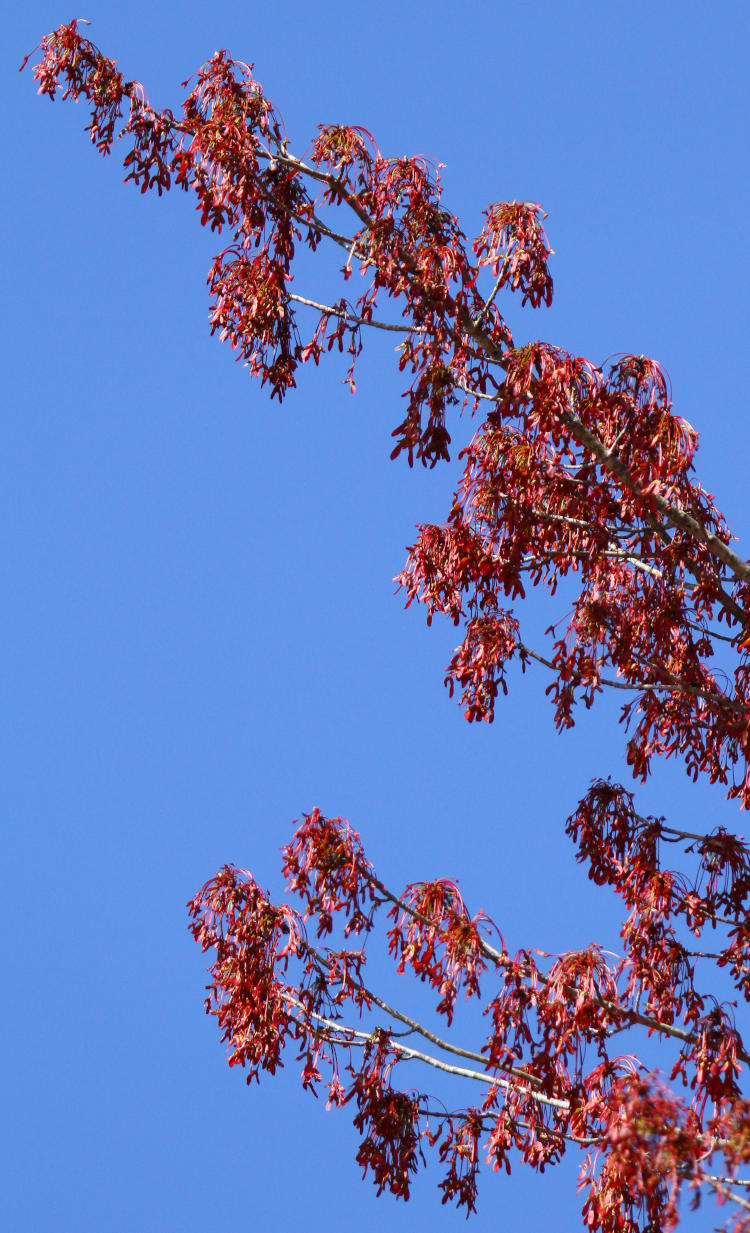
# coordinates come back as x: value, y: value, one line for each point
x: 251, y: 938
x: 514, y: 243
x: 576, y: 476
x: 549, y: 1076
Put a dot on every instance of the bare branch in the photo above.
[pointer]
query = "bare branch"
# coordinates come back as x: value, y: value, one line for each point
x: 726, y: 1193
x: 331, y: 311
x: 406, y: 1051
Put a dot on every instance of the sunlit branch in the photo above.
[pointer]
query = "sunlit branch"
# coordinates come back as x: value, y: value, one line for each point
x: 331, y: 311
x: 725, y: 1181
x: 478, y: 394
x: 338, y: 1034
x: 627, y: 1016
x: 489, y: 1119
x: 415, y: 1026
x: 651, y: 687
x: 614, y: 554
x: 726, y: 1193
x: 517, y: 1071
x: 673, y: 686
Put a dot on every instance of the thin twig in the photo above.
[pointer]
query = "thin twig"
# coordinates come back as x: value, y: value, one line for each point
x: 726, y: 1193
x: 409, y: 1053
x: 345, y: 315
x: 516, y: 1071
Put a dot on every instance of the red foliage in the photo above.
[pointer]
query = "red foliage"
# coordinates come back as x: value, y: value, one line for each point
x: 575, y: 476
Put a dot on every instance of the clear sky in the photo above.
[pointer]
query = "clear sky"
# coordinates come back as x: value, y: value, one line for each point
x: 201, y: 637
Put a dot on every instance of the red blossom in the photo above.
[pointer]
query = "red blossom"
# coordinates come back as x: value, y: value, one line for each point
x: 578, y: 478
x: 653, y: 1145
x: 514, y: 243
x: 434, y: 935
x: 252, y: 938
x: 327, y: 868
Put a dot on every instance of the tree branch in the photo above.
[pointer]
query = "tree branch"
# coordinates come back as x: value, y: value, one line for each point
x: 347, y: 316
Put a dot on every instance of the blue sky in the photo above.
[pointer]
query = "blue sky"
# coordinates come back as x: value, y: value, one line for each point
x: 202, y: 637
